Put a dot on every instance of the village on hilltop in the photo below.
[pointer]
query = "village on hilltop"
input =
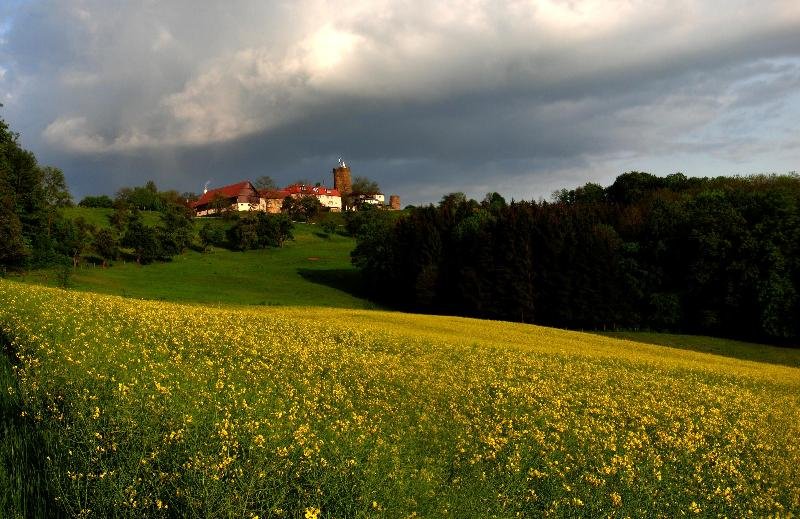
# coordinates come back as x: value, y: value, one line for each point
x: 244, y: 196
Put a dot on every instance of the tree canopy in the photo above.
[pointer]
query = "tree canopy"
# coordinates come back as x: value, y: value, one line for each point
x: 719, y: 256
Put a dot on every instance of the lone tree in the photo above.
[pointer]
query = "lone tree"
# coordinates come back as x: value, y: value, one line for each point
x: 106, y: 245
x: 142, y: 239
x: 365, y: 186
x: 302, y: 209
x: 265, y: 182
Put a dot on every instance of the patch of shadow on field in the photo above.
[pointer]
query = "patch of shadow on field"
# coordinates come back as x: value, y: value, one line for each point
x: 346, y: 280
x: 781, y: 355
x: 24, y: 488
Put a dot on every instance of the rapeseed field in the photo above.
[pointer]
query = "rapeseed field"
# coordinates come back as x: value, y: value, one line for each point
x: 158, y: 409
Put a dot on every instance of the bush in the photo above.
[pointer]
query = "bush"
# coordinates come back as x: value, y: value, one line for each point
x: 101, y: 201
x: 211, y: 234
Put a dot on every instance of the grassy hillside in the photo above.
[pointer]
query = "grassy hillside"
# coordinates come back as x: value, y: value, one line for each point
x: 155, y: 408
x: 99, y: 217
x: 310, y: 270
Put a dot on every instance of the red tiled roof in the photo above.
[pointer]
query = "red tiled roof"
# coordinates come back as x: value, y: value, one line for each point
x: 273, y: 193
x: 230, y: 191
x: 300, y: 189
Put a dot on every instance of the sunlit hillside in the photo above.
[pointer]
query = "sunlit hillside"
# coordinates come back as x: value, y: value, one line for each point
x: 158, y: 408
x: 313, y: 269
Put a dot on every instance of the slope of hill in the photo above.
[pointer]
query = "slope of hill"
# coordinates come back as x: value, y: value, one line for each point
x: 313, y: 269
x: 156, y: 408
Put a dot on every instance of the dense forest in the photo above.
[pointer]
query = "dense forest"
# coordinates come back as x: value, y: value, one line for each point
x: 717, y: 256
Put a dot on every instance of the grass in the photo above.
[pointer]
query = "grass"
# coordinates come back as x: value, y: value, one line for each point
x: 274, y: 390
x: 311, y: 270
x: 726, y: 347
x: 157, y: 409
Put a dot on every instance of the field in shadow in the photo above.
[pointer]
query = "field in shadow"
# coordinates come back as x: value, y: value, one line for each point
x: 346, y: 280
x: 784, y: 356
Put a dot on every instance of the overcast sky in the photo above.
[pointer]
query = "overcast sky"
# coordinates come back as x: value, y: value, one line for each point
x: 521, y: 97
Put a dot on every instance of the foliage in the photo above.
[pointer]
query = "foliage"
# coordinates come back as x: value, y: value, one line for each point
x: 56, y: 193
x: 13, y: 247
x: 265, y: 182
x: 30, y: 200
x: 75, y: 238
x: 211, y: 234
x: 176, y: 230
x: 259, y: 230
x: 494, y: 202
x: 365, y: 186
x: 102, y: 201
x: 354, y: 221
x: 302, y: 209
x: 106, y: 245
x: 156, y: 409
x: 329, y: 225
x: 142, y: 239
x: 718, y: 256
x: 143, y: 198
x: 64, y: 275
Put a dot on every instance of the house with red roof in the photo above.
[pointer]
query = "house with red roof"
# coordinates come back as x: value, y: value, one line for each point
x: 242, y: 196
x: 328, y: 197
x: 272, y: 200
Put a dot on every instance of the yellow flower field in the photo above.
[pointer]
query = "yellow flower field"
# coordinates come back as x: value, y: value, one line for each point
x: 160, y: 409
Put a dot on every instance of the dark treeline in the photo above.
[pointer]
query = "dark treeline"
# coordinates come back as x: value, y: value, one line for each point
x: 717, y: 256
x: 32, y: 230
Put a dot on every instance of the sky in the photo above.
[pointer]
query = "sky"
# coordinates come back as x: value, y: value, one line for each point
x: 425, y: 97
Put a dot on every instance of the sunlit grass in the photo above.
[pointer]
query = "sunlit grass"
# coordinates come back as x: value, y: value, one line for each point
x: 312, y: 269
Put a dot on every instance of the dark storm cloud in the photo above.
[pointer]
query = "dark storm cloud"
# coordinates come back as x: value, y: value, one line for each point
x: 426, y: 99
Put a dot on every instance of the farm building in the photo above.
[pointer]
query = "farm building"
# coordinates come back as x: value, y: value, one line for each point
x: 242, y: 196
x: 371, y: 199
x: 272, y: 199
x: 330, y: 198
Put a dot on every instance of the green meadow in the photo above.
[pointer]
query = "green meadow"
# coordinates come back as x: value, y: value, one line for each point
x: 312, y: 270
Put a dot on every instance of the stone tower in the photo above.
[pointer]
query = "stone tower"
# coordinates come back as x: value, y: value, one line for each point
x: 394, y: 202
x: 341, y: 178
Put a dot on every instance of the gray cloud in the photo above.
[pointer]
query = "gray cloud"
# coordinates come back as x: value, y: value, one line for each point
x: 523, y: 97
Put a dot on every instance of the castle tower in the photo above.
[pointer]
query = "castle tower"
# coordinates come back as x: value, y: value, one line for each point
x: 341, y: 178
x: 394, y: 202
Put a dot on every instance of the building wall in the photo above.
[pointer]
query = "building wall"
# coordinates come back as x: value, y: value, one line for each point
x: 342, y: 180
x: 272, y: 205
x: 376, y: 199
x: 394, y: 202
x: 334, y: 203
